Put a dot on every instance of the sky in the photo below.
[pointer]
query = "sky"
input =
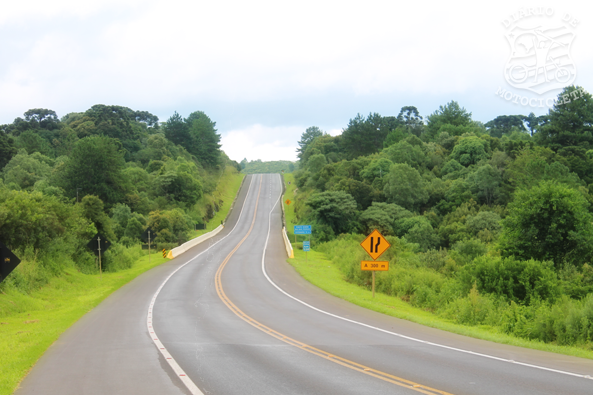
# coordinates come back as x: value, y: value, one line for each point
x: 264, y: 71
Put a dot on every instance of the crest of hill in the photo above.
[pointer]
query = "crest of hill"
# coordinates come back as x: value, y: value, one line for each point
x: 257, y: 166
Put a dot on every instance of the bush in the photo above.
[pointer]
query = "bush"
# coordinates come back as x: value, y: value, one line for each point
x: 517, y: 281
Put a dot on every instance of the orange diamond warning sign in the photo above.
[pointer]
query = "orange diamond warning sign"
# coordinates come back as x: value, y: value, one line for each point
x: 375, y: 244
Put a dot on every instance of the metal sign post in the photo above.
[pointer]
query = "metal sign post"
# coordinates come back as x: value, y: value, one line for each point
x: 99, y: 244
x: 375, y: 245
x: 99, y: 249
x: 148, y: 247
x: 306, y: 248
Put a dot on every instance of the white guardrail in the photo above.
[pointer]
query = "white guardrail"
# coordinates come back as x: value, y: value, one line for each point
x: 175, y: 252
x: 289, y: 250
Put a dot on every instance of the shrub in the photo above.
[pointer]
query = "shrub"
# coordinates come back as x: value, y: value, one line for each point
x: 518, y: 281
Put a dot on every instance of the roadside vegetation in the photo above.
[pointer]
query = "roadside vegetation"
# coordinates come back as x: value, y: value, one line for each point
x: 491, y: 224
x: 110, y: 170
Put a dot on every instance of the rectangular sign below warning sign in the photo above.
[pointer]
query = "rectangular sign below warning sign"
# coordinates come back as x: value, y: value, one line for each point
x: 374, y: 265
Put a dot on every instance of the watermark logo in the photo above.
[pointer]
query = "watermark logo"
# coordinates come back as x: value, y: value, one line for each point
x: 540, y: 42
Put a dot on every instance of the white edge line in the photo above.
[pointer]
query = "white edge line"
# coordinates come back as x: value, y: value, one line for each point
x: 399, y: 334
x: 191, y: 386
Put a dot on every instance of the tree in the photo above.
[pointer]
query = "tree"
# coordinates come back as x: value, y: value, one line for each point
x: 533, y: 122
x: 404, y: 152
x: 205, y: 141
x: 177, y: 131
x: 96, y: 168
x: 310, y: 134
x: 382, y: 216
x: 549, y: 222
x: 42, y: 118
x: 115, y: 122
x: 570, y: 121
x: 7, y: 149
x: 376, y: 169
x: 32, y: 142
x: 485, y: 183
x: 405, y: 187
x: 410, y: 118
x: 33, y: 220
x: 537, y: 164
x: 337, y: 209
x: 93, y: 209
x: 179, y: 186
x: 453, y: 115
x: 361, y: 192
x: 364, y: 136
x: 504, y: 124
x: 484, y: 223
x: 423, y: 234
x: 316, y: 163
x: 25, y: 170
x: 470, y: 150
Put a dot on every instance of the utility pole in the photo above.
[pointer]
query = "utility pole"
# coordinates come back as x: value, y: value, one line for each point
x: 149, y: 248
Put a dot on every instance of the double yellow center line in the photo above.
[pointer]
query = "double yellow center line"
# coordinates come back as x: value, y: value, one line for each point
x: 313, y: 350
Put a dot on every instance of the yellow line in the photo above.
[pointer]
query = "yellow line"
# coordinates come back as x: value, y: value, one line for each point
x: 323, y: 354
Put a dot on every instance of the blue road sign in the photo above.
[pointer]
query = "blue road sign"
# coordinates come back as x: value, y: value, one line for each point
x: 306, y: 246
x: 302, y: 229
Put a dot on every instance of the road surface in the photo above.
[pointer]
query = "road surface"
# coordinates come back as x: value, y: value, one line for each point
x: 228, y: 318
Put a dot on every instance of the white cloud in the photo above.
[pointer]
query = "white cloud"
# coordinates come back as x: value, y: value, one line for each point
x: 315, y: 59
x: 262, y: 142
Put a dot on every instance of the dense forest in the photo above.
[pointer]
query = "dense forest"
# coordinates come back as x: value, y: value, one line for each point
x: 491, y: 223
x: 110, y: 170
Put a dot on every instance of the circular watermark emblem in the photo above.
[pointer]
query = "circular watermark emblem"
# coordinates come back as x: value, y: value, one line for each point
x: 540, y: 61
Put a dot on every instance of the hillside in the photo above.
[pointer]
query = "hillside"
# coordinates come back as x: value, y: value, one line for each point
x: 490, y: 224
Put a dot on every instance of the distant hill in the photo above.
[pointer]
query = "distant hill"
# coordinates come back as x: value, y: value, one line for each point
x: 257, y: 166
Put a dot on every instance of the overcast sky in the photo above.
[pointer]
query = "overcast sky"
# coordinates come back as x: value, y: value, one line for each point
x: 264, y: 71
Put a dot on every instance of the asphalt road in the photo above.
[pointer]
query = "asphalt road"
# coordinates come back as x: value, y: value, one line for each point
x: 236, y: 320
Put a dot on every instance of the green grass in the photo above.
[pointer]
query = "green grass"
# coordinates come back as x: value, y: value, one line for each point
x: 227, y: 189
x: 321, y: 272
x: 29, y: 324
x: 289, y: 212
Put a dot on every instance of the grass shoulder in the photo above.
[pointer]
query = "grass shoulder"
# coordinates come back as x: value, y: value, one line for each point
x: 323, y: 273
x: 227, y: 190
x: 29, y: 324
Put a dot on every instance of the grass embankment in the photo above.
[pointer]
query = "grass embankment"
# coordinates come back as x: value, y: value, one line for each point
x: 323, y: 273
x: 319, y: 270
x: 289, y: 211
x: 30, y: 323
x: 227, y: 189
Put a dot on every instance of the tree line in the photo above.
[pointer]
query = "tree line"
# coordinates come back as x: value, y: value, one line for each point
x: 109, y: 169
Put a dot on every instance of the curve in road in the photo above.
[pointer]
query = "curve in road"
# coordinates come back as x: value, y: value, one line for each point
x: 110, y: 350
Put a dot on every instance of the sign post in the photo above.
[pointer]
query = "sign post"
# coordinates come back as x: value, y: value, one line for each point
x: 146, y: 237
x: 98, y: 244
x: 306, y: 248
x: 375, y: 245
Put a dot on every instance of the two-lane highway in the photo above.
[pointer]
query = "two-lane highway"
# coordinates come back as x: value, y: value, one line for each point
x: 234, y: 318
